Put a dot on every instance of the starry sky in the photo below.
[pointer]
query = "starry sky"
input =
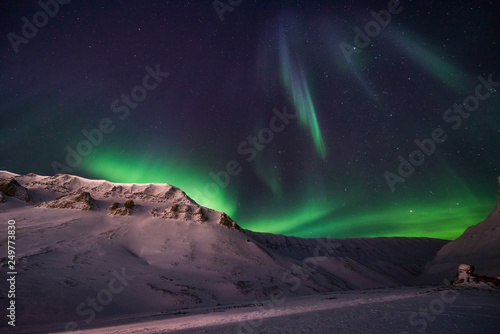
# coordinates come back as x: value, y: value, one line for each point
x: 306, y: 118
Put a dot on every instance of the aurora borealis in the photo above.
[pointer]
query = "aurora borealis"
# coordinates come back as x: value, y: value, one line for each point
x: 261, y: 115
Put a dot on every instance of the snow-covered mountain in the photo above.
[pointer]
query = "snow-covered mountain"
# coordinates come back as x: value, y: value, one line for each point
x: 479, y: 245
x: 150, y: 249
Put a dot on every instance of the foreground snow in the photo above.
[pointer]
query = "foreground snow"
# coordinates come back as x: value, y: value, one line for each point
x: 398, y: 310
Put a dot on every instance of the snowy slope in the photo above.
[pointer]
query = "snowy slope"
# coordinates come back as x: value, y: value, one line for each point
x: 479, y: 246
x: 390, y: 310
x: 73, y: 243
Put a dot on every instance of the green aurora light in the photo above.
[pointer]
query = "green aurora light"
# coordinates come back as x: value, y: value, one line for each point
x: 440, y: 219
x: 430, y: 59
x: 312, y: 213
x: 295, y: 83
x: 142, y: 168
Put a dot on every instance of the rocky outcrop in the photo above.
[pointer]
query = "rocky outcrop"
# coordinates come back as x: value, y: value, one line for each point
x: 181, y: 212
x: 82, y: 201
x: 124, y: 210
x: 224, y: 220
x: 14, y: 189
x: 466, y: 277
x: 117, y: 210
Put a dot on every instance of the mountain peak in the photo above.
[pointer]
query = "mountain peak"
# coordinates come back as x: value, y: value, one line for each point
x: 99, y: 189
x: 478, y: 245
x: 65, y: 191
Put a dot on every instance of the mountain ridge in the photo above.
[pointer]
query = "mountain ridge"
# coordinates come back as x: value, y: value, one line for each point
x: 177, y: 258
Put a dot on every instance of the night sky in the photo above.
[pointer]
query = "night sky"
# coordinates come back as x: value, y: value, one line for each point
x: 291, y: 116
